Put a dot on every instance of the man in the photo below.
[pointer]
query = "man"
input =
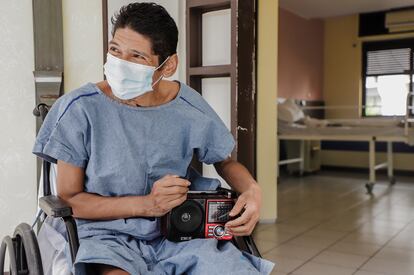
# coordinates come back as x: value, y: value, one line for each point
x: 123, y: 147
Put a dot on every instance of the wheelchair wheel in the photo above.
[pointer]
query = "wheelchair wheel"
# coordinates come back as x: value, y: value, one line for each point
x: 24, y: 253
x: 27, y: 251
x: 8, y: 244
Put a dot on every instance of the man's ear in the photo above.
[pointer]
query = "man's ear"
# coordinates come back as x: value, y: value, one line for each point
x: 170, y: 66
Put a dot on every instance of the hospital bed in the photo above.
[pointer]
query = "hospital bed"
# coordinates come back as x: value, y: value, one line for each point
x: 25, y: 256
x: 363, y: 130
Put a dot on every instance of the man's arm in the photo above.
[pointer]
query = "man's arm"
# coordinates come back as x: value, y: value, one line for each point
x: 250, y: 199
x: 166, y: 193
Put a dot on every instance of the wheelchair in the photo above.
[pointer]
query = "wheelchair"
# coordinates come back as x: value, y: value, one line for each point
x: 23, y: 247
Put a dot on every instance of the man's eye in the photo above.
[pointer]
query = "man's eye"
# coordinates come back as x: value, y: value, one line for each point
x: 114, y: 49
x: 138, y: 56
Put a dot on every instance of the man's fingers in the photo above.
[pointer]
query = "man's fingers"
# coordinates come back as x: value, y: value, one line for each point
x: 176, y: 202
x: 171, y: 176
x: 174, y: 181
x: 170, y: 190
x: 173, y: 197
x: 244, y: 229
x: 244, y: 218
x: 237, y: 207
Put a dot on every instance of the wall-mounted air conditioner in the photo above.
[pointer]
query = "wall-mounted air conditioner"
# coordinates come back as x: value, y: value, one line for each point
x: 400, y: 21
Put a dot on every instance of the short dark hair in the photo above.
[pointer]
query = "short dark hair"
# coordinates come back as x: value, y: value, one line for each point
x: 152, y: 21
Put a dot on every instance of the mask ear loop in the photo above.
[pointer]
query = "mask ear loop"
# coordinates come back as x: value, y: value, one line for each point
x: 159, y: 79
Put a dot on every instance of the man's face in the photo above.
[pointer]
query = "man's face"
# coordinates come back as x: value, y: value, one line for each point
x: 133, y: 47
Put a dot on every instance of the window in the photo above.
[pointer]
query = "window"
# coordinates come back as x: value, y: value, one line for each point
x: 388, y: 72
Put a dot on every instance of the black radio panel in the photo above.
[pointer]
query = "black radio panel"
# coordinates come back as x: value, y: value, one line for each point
x: 202, y: 215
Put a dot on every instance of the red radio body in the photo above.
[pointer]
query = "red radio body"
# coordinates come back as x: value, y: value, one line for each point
x: 202, y: 215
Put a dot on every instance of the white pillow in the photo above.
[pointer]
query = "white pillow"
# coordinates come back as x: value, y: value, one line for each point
x: 289, y: 111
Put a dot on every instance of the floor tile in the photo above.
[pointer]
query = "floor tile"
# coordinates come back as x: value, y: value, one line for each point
x: 364, y: 272
x: 364, y: 249
x: 358, y: 237
x: 274, y: 235
x: 340, y: 259
x: 402, y: 243
x: 284, y: 264
x: 389, y: 266
x: 327, y: 225
x: 327, y: 234
x: 396, y: 254
x: 312, y: 241
x: 265, y: 246
x: 312, y: 268
x: 294, y: 251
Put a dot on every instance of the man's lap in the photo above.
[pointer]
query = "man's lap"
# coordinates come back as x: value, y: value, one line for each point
x: 160, y: 256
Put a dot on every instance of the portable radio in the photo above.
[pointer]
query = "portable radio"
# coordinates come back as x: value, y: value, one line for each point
x: 202, y: 215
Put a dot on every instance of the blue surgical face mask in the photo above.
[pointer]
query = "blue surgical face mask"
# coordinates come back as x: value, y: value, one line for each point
x: 128, y: 79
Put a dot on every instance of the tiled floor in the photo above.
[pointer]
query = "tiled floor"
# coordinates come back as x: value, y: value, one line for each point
x: 328, y: 225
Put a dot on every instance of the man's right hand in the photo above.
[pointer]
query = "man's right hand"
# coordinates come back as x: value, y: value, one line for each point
x: 167, y: 193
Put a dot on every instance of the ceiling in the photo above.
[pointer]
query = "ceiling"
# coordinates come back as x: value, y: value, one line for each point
x: 329, y: 8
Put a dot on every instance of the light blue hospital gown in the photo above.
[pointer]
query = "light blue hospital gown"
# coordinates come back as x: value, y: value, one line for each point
x: 124, y: 150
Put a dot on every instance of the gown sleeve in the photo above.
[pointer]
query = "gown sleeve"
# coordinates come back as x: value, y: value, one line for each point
x: 63, y: 135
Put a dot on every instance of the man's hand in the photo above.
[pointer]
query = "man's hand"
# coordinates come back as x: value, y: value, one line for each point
x: 249, y: 201
x: 167, y: 193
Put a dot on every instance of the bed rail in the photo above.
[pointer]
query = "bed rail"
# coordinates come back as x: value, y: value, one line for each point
x: 408, y: 117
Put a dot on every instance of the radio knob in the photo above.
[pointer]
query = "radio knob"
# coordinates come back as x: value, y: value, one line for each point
x: 219, y: 231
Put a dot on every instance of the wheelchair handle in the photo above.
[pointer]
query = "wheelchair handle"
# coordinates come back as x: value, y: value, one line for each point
x: 41, y: 110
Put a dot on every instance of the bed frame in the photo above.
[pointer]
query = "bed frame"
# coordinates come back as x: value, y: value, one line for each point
x: 407, y: 137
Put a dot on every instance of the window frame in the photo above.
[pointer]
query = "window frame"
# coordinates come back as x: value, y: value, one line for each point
x: 384, y: 45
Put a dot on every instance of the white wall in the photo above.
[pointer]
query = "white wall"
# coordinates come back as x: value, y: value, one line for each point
x: 82, y: 23
x: 82, y: 42
x: 17, y: 124
x: 216, y: 31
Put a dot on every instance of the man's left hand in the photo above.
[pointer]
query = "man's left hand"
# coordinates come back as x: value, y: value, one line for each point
x: 249, y: 201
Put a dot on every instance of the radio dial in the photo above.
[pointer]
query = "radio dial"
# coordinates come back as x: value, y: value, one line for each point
x: 219, y: 231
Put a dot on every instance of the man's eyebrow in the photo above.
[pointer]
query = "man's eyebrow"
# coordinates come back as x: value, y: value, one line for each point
x: 134, y: 51
x: 140, y: 53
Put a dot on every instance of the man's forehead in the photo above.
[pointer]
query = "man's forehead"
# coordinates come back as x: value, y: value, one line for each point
x: 132, y: 40
x: 113, y: 42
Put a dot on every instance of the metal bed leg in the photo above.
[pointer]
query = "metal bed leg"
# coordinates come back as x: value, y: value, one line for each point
x: 390, y: 161
x: 370, y: 184
x: 302, y: 157
x: 278, y: 161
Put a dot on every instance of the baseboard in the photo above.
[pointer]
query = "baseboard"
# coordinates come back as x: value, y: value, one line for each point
x: 366, y: 170
x: 267, y: 221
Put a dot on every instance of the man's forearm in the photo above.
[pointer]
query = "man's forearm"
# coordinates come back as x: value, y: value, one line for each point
x: 96, y: 207
x: 248, y: 202
x: 235, y: 174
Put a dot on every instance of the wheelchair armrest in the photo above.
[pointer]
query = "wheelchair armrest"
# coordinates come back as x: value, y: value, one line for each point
x: 55, y: 207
